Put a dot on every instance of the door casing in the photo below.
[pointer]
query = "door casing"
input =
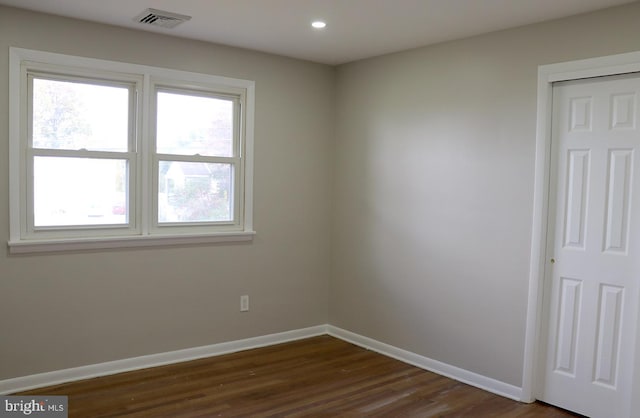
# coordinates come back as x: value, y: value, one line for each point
x: 547, y: 75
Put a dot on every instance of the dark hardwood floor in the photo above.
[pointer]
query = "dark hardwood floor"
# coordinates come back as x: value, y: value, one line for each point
x: 316, y: 377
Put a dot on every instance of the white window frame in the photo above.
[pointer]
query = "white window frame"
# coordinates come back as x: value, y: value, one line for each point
x: 159, y: 85
x: 28, y: 230
x: 143, y: 229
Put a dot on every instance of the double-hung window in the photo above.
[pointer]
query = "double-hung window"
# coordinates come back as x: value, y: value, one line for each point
x: 79, y: 155
x: 106, y: 154
x: 196, y: 157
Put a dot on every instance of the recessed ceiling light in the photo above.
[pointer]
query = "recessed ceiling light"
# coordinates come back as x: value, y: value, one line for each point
x: 319, y: 24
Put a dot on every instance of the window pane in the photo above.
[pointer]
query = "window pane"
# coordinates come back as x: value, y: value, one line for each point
x: 79, y: 191
x: 190, y: 125
x: 195, y: 192
x: 73, y: 116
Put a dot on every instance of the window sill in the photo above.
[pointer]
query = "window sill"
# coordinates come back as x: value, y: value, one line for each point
x: 76, y: 244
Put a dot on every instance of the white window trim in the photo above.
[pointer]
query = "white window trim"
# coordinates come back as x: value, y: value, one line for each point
x: 147, y: 236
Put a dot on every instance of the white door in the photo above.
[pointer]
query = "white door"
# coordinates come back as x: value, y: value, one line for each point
x: 593, y: 270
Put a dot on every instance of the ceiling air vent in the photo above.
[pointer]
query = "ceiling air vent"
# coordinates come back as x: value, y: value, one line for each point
x: 155, y: 17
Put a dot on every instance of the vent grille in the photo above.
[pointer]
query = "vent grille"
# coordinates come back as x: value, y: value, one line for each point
x: 155, y: 17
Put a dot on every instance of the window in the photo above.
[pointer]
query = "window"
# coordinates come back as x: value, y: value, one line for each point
x: 197, y: 156
x: 106, y: 154
x: 79, y: 153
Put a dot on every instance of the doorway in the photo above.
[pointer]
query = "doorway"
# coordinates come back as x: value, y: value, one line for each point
x: 579, y: 327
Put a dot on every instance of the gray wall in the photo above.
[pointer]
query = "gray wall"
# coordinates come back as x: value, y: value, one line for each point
x: 65, y: 310
x: 434, y: 189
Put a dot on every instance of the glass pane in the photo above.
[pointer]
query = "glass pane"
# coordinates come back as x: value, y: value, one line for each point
x: 73, y: 116
x: 79, y: 191
x: 195, y: 192
x: 190, y: 125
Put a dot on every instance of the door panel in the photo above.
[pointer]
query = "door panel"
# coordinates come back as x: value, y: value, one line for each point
x: 591, y: 286
x: 576, y: 198
x: 569, y: 311
x: 609, y: 331
x: 618, y: 194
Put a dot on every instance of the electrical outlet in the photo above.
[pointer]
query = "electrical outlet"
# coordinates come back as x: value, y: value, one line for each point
x: 244, y: 303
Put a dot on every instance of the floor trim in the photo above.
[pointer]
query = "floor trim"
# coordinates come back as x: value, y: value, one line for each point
x: 482, y: 382
x: 35, y: 381
x: 57, y: 377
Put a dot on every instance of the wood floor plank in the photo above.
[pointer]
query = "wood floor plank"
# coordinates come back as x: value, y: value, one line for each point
x: 316, y: 377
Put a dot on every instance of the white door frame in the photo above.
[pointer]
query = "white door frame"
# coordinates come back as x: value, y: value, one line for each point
x: 547, y: 75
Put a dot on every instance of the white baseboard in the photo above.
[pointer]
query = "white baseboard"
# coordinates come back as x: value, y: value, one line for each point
x: 35, y: 381
x: 456, y: 373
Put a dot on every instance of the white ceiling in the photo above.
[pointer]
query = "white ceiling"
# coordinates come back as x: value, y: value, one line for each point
x: 356, y: 28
